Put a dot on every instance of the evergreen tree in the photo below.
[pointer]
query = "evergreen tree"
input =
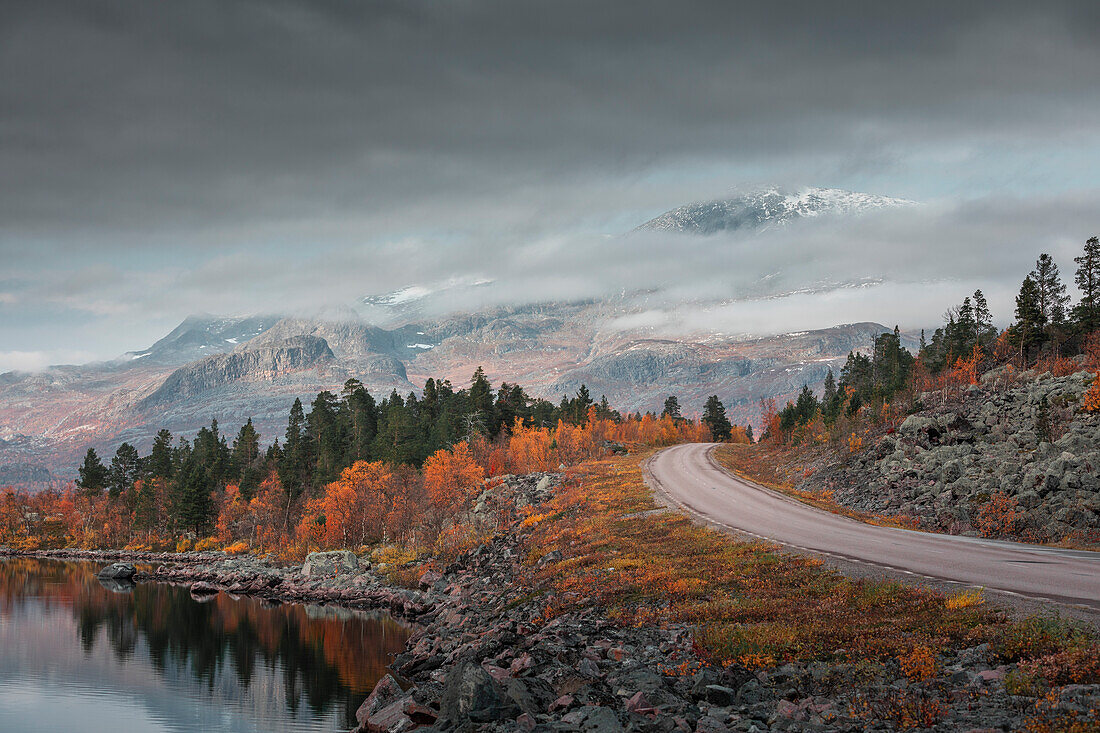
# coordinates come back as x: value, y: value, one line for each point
x: 1086, y: 314
x: 1030, y: 320
x: 93, y: 474
x: 580, y: 405
x: 159, y: 462
x: 748, y: 432
x: 325, y: 433
x: 1050, y: 290
x: 806, y: 406
x: 714, y: 417
x: 245, y: 459
x: 125, y: 470
x: 363, y: 418
x: 481, y: 404
x: 194, y: 504
x: 672, y: 408
x: 294, y: 466
x: 830, y: 398
x: 984, y: 332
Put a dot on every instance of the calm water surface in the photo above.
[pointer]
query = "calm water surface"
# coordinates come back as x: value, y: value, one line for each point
x: 78, y: 654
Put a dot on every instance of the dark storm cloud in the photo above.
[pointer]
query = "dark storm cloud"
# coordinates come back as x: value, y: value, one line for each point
x: 145, y: 116
x: 157, y: 158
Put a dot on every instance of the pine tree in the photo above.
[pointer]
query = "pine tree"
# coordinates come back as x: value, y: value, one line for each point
x: 159, y: 462
x: 580, y: 405
x: 125, y: 470
x: 246, y: 455
x: 714, y: 417
x: 672, y: 408
x: 294, y: 465
x: 1030, y: 321
x: 93, y: 474
x: 984, y: 332
x: 325, y: 434
x: 1086, y: 314
x: 830, y: 398
x: 1050, y: 290
x: 481, y: 403
x: 194, y: 504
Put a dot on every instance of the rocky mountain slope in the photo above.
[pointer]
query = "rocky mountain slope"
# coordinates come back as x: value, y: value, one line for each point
x: 47, y: 419
x: 1012, y: 457
x: 235, y: 368
x: 770, y: 207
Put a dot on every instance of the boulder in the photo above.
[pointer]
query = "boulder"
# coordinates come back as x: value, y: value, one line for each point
x: 329, y: 564
x: 471, y: 694
x: 118, y: 571
x: 385, y: 693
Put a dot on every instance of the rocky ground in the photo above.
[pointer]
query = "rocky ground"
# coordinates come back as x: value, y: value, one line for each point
x: 1024, y: 438
x: 488, y: 655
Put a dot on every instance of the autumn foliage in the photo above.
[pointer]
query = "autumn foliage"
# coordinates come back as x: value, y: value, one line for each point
x: 370, y: 501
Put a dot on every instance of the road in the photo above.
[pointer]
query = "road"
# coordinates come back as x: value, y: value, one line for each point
x: 689, y: 477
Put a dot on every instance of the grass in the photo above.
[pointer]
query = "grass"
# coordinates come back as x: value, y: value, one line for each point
x: 751, y: 604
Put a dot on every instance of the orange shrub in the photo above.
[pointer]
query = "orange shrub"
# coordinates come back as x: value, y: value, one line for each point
x: 919, y: 664
x: 999, y: 516
x: 1091, y: 401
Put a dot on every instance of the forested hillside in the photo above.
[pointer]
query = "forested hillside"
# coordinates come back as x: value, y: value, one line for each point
x: 351, y: 470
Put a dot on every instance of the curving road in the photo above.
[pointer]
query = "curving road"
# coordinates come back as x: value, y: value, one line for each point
x: 688, y: 476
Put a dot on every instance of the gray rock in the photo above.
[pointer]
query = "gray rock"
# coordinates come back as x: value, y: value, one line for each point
x: 471, y: 694
x: 329, y: 564
x: 118, y: 571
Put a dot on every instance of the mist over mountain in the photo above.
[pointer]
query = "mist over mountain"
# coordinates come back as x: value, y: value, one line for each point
x: 636, y: 347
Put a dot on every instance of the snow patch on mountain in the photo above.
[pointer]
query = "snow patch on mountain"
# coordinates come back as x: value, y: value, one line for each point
x: 767, y: 208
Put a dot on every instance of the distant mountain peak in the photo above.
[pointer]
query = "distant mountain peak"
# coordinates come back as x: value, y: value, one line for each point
x: 764, y: 208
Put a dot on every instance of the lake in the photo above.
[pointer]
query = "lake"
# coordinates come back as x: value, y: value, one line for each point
x: 80, y: 654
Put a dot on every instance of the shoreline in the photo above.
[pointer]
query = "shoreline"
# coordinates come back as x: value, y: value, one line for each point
x: 248, y: 575
x: 496, y: 649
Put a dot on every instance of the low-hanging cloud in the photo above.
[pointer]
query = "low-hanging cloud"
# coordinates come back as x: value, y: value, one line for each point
x: 289, y: 155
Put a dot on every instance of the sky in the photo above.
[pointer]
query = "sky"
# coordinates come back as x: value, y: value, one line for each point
x: 163, y: 159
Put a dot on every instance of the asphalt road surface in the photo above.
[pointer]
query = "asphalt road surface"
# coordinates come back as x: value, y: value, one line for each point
x: 688, y: 476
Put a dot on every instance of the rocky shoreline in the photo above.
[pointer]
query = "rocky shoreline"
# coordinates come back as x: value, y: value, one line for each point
x: 490, y: 656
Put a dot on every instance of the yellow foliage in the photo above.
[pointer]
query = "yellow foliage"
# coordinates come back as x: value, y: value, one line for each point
x: 206, y: 544
x: 237, y: 548
x: 964, y: 599
x: 183, y: 545
x: 393, y: 555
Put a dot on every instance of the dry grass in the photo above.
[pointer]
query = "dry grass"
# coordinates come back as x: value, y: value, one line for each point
x: 751, y: 603
x: 965, y: 599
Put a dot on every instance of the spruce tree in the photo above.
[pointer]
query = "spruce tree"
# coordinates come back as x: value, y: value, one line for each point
x: 294, y: 464
x: 1050, y: 290
x: 830, y: 402
x: 1030, y: 321
x: 246, y: 454
x: 93, y: 474
x: 195, y: 506
x: 125, y: 470
x: 714, y: 417
x: 1086, y: 314
x: 984, y: 331
x: 481, y: 404
x: 672, y: 408
x: 159, y: 462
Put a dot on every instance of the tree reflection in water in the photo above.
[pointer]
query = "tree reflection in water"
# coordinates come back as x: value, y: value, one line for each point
x: 326, y: 656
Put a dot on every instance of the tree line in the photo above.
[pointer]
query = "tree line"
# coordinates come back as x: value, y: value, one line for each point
x: 349, y: 467
x: 1046, y: 327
